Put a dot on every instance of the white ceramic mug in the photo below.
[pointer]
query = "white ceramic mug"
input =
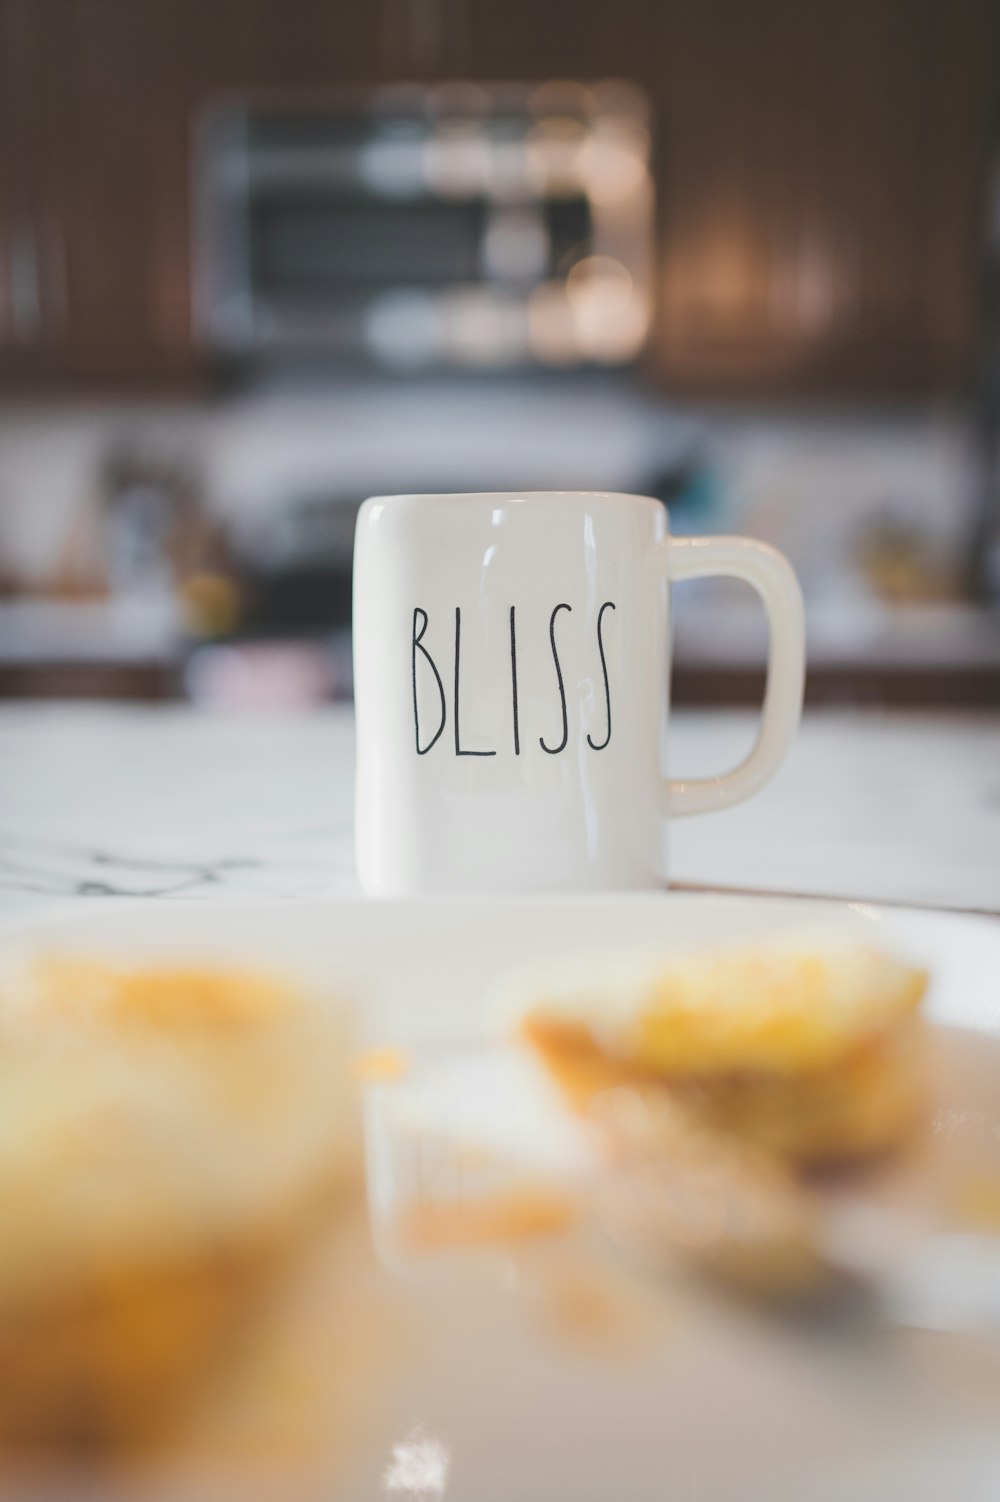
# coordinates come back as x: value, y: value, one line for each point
x: 511, y: 678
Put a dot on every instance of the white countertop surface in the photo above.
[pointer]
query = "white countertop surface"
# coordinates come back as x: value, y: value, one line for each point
x: 109, y: 800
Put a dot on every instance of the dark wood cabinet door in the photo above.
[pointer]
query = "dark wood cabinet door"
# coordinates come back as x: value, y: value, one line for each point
x: 822, y: 191
x: 560, y: 39
x: 93, y: 141
x: 28, y: 271
x: 821, y: 167
x: 115, y: 168
x: 289, y: 45
x: 100, y: 120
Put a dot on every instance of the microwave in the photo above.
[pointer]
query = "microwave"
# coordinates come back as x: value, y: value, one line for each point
x: 461, y: 225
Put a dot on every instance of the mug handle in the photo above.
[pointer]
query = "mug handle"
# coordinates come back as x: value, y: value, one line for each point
x: 771, y: 575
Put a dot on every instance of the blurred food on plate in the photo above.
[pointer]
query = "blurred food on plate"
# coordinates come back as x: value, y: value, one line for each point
x: 811, y: 1048
x: 170, y: 1135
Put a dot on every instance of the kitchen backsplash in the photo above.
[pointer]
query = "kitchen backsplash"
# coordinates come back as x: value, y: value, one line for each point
x: 829, y: 489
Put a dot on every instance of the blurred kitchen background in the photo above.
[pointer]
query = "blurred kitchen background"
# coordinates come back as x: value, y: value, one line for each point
x: 262, y: 258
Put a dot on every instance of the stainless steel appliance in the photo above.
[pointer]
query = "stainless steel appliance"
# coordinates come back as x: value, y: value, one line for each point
x: 457, y: 225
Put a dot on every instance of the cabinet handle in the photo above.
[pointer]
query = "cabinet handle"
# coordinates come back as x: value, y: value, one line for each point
x: 25, y: 288
x: 57, y: 301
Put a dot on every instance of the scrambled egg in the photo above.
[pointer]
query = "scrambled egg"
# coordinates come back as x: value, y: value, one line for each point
x: 811, y: 1047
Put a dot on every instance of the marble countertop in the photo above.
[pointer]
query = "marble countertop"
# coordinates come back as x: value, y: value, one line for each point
x: 99, y: 801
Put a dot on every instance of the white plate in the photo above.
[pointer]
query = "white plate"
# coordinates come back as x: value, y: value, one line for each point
x: 546, y: 1389
x: 422, y: 969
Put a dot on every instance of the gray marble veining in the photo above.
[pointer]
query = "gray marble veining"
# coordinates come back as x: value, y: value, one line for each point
x: 102, y: 801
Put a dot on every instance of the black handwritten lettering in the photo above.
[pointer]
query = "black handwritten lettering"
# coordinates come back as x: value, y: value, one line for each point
x: 417, y: 638
x: 554, y: 750
x: 608, y: 605
x: 513, y: 682
x: 458, y: 654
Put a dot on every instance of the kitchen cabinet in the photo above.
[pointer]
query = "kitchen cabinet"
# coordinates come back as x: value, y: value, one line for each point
x: 821, y: 169
x: 116, y: 166
x: 95, y: 129
x: 99, y: 101
x: 272, y: 45
x: 823, y: 176
x: 556, y: 39
x: 26, y: 309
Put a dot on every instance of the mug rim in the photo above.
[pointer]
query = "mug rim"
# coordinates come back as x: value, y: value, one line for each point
x: 518, y: 495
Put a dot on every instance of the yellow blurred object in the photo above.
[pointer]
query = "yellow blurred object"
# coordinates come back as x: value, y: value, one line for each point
x: 811, y: 1049
x: 211, y: 604
x: 167, y: 1137
x: 487, y: 1220
x: 976, y: 1201
x: 381, y: 1066
x: 782, y: 1010
x: 167, y: 997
